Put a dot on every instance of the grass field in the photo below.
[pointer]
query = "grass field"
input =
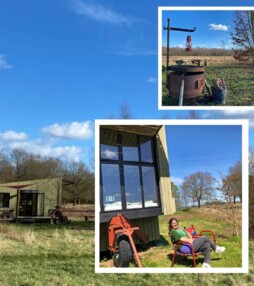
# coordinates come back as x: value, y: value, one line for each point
x: 44, y: 254
x: 209, y: 218
x: 238, y: 78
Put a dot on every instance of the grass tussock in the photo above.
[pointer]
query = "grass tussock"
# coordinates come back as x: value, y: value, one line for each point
x: 29, y: 237
x: 64, y: 255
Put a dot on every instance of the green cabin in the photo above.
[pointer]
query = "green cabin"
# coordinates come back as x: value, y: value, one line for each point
x: 30, y: 198
x: 134, y: 177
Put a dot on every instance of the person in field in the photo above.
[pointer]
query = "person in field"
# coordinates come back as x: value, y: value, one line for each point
x: 200, y: 244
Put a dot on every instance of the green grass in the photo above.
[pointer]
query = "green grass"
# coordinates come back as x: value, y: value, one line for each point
x: 224, y: 236
x: 44, y: 254
x: 238, y: 78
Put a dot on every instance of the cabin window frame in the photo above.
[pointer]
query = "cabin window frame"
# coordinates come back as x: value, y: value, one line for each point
x: 4, y: 200
x: 139, y: 211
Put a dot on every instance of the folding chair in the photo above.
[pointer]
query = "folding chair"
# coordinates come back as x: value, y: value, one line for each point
x: 192, y: 231
x: 178, y: 252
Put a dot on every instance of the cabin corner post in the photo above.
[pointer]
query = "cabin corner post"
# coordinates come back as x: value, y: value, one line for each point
x: 17, y: 205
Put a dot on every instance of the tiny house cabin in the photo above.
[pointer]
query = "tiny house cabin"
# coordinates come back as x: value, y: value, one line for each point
x: 134, y: 177
x: 30, y: 198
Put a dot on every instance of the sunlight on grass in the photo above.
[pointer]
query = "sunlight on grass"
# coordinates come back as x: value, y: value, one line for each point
x: 53, y: 259
x: 238, y: 78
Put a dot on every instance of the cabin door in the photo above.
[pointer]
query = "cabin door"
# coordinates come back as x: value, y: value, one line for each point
x: 28, y: 203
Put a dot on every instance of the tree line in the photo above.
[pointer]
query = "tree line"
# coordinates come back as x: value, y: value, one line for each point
x: 199, y: 51
x: 202, y: 188
x: 78, y: 180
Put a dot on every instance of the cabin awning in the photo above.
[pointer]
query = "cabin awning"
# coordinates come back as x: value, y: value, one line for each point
x: 146, y: 130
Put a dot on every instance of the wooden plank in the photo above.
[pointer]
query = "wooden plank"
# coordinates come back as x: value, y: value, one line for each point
x: 131, y: 214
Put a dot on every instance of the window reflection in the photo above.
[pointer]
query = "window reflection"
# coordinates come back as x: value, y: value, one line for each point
x: 130, y: 153
x: 149, y: 186
x: 109, y: 152
x: 130, y: 147
x: 132, y: 187
x: 146, y: 152
x: 112, y: 199
x: 109, y: 144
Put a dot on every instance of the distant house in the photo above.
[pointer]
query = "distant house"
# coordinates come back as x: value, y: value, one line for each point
x: 134, y: 177
x: 30, y: 198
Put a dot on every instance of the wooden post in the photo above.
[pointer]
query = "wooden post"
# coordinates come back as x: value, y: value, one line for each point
x: 181, y: 92
x: 17, y: 205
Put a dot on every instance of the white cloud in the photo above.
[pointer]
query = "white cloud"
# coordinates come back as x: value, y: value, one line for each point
x: 74, y: 130
x: 100, y: 13
x: 50, y: 146
x: 176, y: 181
x: 240, y: 114
x: 231, y: 114
x: 13, y: 136
x: 152, y: 79
x: 130, y: 51
x: 218, y: 27
x: 39, y: 147
x: 3, y: 64
x: 109, y: 154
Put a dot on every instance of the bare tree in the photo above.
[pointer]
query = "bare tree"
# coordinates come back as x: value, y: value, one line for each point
x: 232, y: 183
x: 165, y: 115
x: 243, y: 36
x: 78, y: 182
x: 125, y: 111
x: 19, y: 159
x: 191, y: 114
x: 199, y: 186
x: 176, y: 195
x: 6, y: 171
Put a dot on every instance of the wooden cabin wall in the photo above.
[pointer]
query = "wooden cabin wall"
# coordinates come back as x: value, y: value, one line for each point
x: 148, y: 225
x: 52, y: 189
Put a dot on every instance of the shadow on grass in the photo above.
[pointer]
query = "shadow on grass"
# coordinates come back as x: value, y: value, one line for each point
x: 73, y: 224
x: 162, y: 241
x: 187, y: 260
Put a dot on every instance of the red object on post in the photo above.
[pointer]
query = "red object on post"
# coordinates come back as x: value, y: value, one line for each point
x: 188, y: 44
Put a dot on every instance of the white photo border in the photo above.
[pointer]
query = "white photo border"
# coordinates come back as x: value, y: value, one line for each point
x: 245, y: 196
x: 160, y: 24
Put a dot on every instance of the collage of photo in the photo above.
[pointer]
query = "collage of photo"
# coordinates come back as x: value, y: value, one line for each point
x: 126, y: 142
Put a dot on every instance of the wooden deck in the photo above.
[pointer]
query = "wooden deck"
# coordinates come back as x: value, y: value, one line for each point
x: 33, y: 219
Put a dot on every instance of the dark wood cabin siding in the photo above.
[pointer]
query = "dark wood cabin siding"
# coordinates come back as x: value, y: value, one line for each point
x: 148, y: 225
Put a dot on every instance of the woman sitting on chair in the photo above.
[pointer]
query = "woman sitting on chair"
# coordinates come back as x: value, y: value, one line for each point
x: 200, y: 244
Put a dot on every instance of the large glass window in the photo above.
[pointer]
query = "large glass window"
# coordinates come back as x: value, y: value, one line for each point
x: 149, y: 186
x: 109, y: 152
x: 109, y: 145
x: 146, y: 151
x: 111, y: 188
x: 130, y: 147
x: 128, y: 176
x: 4, y: 200
x: 132, y: 187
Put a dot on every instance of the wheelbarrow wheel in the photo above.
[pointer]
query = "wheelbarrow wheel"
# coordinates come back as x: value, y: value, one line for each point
x: 123, y: 255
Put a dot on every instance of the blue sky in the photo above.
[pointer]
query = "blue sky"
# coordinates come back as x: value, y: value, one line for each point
x: 65, y: 63
x: 212, y: 27
x: 212, y: 149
